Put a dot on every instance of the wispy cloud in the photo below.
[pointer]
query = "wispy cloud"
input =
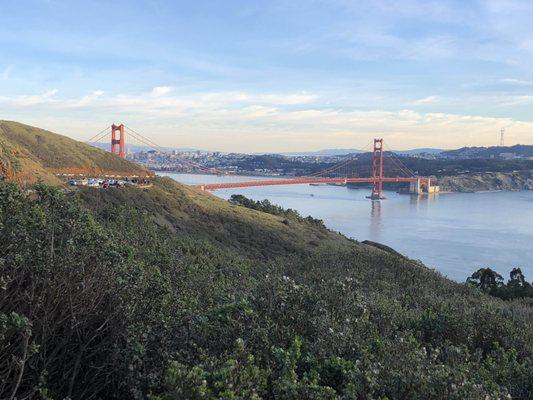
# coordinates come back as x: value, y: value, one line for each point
x: 159, y: 91
x: 31, y: 100
x: 517, y: 100
x: 85, y: 101
x: 296, y: 74
x: 517, y: 82
x: 5, y: 73
x: 244, y: 121
x: 425, y: 100
x: 160, y: 98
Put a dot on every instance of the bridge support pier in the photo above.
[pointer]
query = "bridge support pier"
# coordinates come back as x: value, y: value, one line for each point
x: 415, y: 187
x: 423, y: 186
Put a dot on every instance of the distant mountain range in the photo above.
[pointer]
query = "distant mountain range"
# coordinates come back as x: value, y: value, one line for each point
x: 462, y: 153
x: 317, y: 153
x: 423, y: 150
x: 134, y: 148
x: 519, y: 150
x: 340, y: 152
x: 324, y: 152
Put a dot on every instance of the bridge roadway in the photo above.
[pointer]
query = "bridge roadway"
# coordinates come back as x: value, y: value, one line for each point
x: 302, y: 180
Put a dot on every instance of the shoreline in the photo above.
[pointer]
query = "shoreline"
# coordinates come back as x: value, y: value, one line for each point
x: 340, y: 185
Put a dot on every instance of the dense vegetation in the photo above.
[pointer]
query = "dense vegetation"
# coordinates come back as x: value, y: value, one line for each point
x: 160, y: 300
x: 457, y: 167
x: 276, y: 162
x: 489, y: 152
x: 443, y: 167
x: 394, y: 165
x: 266, y: 206
x: 492, y: 283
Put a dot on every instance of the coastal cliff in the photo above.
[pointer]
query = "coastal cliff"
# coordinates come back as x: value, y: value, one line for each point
x: 516, y: 180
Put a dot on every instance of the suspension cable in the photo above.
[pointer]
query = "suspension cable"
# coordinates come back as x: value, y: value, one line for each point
x: 404, y: 167
x: 153, y: 144
x: 341, y: 164
x: 399, y: 166
x: 333, y: 168
x: 142, y: 139
x: 150, y: 143
x: 101, y: 133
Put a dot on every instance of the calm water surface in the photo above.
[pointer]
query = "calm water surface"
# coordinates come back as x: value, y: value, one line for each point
x: 453, y: 233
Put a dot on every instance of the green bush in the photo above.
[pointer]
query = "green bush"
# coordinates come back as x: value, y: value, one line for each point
x: 113, y: 305
x: 267, y: 207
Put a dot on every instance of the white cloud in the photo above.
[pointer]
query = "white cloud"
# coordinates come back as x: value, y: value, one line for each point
x: 31, y: 100
x: 82, y: 102
x: 285, y: 99
x: 517, y: 82
x: 517, y: 100
x: 159, y: 99
x: 242, y: 121
x: 425, y: 100
x: 159, y: 91
x: 5, y: 73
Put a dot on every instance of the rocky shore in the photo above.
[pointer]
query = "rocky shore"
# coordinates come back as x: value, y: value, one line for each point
x: 516, y: 180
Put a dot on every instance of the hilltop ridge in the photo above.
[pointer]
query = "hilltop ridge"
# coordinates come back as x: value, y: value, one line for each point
x: 517, y: 150
x: 29, y: 154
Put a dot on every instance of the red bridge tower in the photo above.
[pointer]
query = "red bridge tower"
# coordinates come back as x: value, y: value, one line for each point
x: 120, y: 141
x: 377, y: 170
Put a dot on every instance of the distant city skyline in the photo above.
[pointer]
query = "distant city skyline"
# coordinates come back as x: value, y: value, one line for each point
x: 272, y: 76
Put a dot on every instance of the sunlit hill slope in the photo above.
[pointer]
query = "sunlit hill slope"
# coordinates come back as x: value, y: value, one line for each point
x: 29, y: 154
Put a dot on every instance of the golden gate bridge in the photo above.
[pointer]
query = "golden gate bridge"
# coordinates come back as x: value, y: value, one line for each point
x: 417, y: 184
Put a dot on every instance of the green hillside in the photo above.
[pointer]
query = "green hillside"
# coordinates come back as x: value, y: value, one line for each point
x: 28, y: 153
x: 171, y: 293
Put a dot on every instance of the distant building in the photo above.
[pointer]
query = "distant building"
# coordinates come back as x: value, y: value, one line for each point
x: 507, y: 156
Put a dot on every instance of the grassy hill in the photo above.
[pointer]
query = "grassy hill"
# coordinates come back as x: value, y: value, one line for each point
x: 171, y: 293
x: 489, y: 152
x: 28, y: 154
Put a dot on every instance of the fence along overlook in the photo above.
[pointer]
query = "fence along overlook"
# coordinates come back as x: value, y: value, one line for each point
x: 337, y: 174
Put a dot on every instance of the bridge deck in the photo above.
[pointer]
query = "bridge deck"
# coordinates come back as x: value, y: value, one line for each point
x: 299, y: 181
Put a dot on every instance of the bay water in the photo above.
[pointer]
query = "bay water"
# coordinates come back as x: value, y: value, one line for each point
x: 454, y: 233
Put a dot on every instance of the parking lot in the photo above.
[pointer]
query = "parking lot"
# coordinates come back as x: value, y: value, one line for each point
x: 104, y: 183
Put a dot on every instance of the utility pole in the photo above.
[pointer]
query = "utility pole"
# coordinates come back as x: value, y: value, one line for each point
x: 502, y: 133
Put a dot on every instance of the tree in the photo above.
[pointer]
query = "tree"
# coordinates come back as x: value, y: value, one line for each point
x: 489, y: 281
x: 517, y: 278
x: 485, y: 279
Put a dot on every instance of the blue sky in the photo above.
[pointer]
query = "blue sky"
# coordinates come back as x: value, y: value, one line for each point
x: 272, y: 75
